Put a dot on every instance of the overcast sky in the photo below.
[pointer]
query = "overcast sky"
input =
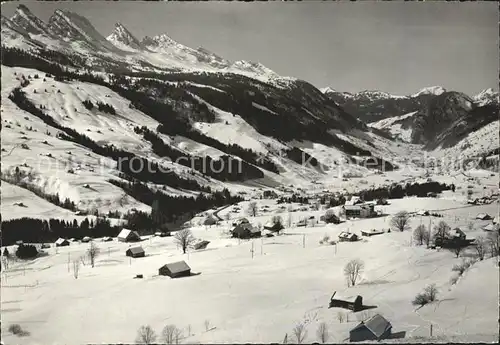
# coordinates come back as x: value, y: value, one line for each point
x: 395, y: 47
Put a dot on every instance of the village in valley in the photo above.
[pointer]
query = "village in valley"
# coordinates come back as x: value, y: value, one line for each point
x: 388, y: 269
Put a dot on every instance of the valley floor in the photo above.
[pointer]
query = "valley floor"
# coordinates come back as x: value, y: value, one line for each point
x: 256, y: 291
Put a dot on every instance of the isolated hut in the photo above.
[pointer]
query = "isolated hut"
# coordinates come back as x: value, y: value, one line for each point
x: 375, y: 328
x: 62, y: 242
x: 86, y: 239
x: 483, y: 216
x: 127, y: 235
x: 175, y: 270
x: 245, y: 231
x: 422, y: 213
x: 354, y: 303
x: 135, y: 252
x: 347, y: 237
x: 201, y: 245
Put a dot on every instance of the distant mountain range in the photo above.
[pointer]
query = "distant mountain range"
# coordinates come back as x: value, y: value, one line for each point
x: 193, y: 82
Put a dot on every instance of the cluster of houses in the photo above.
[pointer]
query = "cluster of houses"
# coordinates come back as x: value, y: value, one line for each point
x: 357, y: 208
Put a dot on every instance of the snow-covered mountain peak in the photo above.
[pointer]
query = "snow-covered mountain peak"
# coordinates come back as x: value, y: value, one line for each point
x: 123, y: 38
x: 376, y: 95
x: 25, y: 19
x: 431, y: 90
x: 486, y: 96
x: 160, y: 42
x: 327, y: 90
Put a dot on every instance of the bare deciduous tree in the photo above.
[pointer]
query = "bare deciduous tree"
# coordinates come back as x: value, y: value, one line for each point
x: 353, y: 270
x: 322, y: 332
x: 419, y: 234
x: 300, y: 333
x: 76, y: 268
x: 184, y: 239
x: 285, y: 340
x: 494, y: 244
x: 400, y: 221
x: 456, y: 249
x: 171, y: 334
x: 145, y: 335
x: 93, y: 252
x: 252, y: 209
x: 480, y: 247
x: 441, y: 232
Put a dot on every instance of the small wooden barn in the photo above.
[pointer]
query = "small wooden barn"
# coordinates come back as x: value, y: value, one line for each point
x: 201, y: 245
x: 127, y: 235
x: 175, y: 270
x: 244, y: 232
x: 62, y: 242
x: 375, y: 328
x: 135, y: 252
x: 347, y: 237
x: 354, y: 303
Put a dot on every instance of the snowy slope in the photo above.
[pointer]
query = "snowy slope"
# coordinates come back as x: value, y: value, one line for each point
x: 395, y: 126
x: 271, y: 291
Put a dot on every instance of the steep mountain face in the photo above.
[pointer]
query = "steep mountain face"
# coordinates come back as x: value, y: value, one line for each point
x: 444, y: 121
x: 372, y: 106
x: 72, y: 27
x: 485, y: 97
x: 29, y: 22
x: 123, y: 39
x: 440, y: 113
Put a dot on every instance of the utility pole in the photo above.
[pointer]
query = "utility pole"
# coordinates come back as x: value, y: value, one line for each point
x: 431, y: 329
x: 251, y: 250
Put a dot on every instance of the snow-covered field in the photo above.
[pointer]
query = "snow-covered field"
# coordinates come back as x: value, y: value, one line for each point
x: 258, y: 290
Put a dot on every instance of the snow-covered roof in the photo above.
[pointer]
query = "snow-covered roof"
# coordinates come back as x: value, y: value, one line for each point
x: 492, y: 227
x: 136, y: 250
x: 482, y: 215
x: 353, y: 200
x: 377, y: 324
x: 347, y: 298
x: 125, y: 233
x: 344, y: 234
x: 61, y: 240
x: 177, y: 267
x: 373, y: 231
